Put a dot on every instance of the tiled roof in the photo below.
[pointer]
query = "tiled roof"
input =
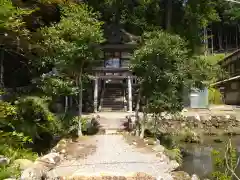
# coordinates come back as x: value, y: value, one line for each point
x: 115, y: 34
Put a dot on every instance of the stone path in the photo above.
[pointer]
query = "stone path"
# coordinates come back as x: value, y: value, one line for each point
x: 113, y: 154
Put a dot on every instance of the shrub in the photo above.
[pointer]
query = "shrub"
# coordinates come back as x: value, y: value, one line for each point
x: 68, y: 125
x: 215, y: 96
x: 189, y: 136
x: 225, y: 163
x: 34, y: 117
x: 13, y: 138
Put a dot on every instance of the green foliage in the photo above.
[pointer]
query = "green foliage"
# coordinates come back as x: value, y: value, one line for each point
x: 214, y: 96
x: 197, y: 15
x: 174, y: 154
x: 34, y: 117
x: 6, y: 111
x: 11, y: 16
x: 158, y: 63
x: 67, y: 124
x: 13, y: 153
x: 164, y: 67
x: 57, y: 86
x: 84, y: 124
x: 12, y: 140
x: 225, y: 163
x: 189, y: 136
x: 72, y: 41
x: 214, y: 59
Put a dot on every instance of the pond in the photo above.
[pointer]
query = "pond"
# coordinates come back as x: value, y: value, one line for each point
x: 198, y: 158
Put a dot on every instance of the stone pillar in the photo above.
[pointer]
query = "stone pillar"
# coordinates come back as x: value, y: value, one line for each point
x: 129, y: 94
x: 96, y: 95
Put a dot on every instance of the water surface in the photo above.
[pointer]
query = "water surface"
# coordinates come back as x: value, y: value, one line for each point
x: 198, y: 159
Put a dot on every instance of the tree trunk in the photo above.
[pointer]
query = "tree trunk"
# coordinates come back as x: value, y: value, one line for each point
x: 144, y: 120
x: 143, y: 125
x: 168, y: 15
x: 137, y: 112
x: 226, y: 45
x: 1, y: 71
x: 80, y: 106
x: 220, y: 39
x: 79, y: 84
x: 66, y: 104
x: 237, y: 32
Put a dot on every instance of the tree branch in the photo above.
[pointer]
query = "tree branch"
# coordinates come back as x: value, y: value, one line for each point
x: 231, y: 170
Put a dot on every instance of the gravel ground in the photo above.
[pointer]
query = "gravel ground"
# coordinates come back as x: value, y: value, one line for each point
x: 114, y: 154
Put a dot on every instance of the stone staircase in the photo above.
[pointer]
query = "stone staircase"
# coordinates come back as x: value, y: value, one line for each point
x: 113, y: 99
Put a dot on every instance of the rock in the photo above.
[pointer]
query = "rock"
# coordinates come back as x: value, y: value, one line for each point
x: 51, y: 158
x: 92, y: 125
x: 165, y: 177
x: 23, y: 163
x: 62, y: 144
x: 134, y: 143
x: 159, y: 148
x: 150, y: 141
x: 35, y: 173
x: 10, y: 179
x: 180, y: 175
x: 197, y: 117
x: 4, y: 160
x: 184, y: 110
x: 195, y: 177
x: 174, y: 164
x: 108, y: 175
x: 40, y: 167
x: 63, y: 151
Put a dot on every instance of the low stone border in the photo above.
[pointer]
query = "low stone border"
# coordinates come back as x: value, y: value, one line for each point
x: 42, y: 165
x: 110, y: 176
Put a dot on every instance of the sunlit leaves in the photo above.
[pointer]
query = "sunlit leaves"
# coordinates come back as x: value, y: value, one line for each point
x: 11, y: 16
x: 165, y: 67
x: 160, y: 64
x: 74, y: 39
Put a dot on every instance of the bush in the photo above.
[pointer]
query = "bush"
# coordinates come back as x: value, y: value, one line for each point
x: 34, y: 116
x: 189, y: 136
x: 67, y: 124
x: 225, y: 163
x: 215, y: 96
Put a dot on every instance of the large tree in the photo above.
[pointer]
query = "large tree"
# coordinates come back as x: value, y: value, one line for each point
x: 72, y: 43
x: 165, y: 67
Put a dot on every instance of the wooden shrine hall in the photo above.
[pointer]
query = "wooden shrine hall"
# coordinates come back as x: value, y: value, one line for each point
x: 113, y: 81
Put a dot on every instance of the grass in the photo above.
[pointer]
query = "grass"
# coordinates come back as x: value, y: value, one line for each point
x: 215, y: 58
x: 11, y: 170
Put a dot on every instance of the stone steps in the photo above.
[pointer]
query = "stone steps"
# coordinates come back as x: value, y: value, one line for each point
x: 112, y: 99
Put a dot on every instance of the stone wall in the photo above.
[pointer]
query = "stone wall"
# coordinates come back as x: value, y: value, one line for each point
x: 208, y: 124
